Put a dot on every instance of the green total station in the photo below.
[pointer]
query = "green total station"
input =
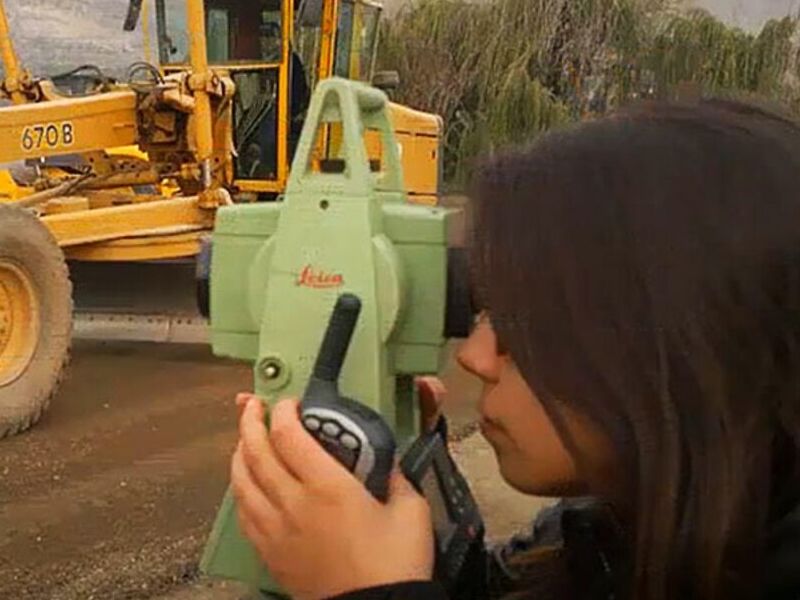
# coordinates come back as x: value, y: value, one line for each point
x: 277, y: 269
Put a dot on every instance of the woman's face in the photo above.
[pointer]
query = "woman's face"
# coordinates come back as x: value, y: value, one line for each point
x: 529, y: 451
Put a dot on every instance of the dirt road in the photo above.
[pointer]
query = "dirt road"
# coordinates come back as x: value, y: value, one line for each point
x: 113, y: 493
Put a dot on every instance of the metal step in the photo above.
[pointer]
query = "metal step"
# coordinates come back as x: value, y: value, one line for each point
x: 165, y: 329
x: 137, y: 302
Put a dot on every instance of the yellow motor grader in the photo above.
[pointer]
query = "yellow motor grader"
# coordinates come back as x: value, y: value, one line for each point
x: 109, y: 187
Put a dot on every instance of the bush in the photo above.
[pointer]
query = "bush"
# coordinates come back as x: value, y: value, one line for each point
x: 502, y: 71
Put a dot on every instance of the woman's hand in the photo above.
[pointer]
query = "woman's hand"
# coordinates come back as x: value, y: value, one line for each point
x: 432, y: 394
x: 315, y: 526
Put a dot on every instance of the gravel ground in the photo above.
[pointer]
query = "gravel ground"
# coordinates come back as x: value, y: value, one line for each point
x: 112, y: 495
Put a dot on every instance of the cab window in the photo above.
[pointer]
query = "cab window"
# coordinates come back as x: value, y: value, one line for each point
x: 356, y: 40
x: 237, y: 31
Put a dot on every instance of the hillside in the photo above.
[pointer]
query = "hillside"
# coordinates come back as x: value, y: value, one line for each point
x: 54, y: 36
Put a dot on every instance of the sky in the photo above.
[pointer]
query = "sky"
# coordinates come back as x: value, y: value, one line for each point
x: 749, y: 14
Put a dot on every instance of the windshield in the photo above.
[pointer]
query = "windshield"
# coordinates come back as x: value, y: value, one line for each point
x: 53, y: 37
x: 356, y: 40
x: 237, y: 31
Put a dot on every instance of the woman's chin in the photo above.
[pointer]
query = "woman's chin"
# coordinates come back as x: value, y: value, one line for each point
x: 520, y: 475
x: 517, y: 475
x: 523, y: 484
x: 514, y: 479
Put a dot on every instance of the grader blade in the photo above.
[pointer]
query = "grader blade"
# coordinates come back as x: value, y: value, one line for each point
x: 140, y: 302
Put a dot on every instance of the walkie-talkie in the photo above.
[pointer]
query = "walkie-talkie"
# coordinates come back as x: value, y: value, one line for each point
x: 353, y: 433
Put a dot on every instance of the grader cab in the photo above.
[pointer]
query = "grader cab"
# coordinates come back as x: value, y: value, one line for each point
x: 109, y: 187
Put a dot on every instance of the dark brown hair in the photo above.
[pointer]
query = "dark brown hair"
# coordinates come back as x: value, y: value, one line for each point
x: 644, y: 270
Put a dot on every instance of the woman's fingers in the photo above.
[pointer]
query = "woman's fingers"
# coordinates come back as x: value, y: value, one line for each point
x: 260, y: 459
x: 252, y: 505
x: 242, y: 399
x: 400, y: 488
x: 432, y: 394
x: 307, y: 460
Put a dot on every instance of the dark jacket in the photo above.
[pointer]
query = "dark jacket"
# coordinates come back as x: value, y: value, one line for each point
x: 583, y: 540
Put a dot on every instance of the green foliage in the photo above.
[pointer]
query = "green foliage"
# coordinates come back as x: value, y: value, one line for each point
x: 696, y: 47
x: 502, y: 71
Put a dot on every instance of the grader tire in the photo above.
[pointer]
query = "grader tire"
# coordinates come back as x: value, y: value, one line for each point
x: 35, y: 319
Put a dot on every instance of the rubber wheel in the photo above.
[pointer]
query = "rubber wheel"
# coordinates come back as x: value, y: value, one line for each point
x: 35, y: 319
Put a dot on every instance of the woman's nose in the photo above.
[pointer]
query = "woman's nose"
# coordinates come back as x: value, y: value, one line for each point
x: 478, y: 354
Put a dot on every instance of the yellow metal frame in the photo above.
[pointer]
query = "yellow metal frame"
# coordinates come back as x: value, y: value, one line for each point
x: 278, y: 184
x: 199, y: 82
x: 230, y: 66
x: 146, y: 229
x: 155, y: 227
x: 139, y: 248
x: 287, y: 25
x: 324, y: 68
x: 14, y: 75
x: 44, y: 129
x: 330, y: 24
x: 197, y: 28
x: 157, y: 218
x: 271, y: 186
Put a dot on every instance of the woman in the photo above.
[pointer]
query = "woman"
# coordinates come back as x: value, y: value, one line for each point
x: 640, y: 345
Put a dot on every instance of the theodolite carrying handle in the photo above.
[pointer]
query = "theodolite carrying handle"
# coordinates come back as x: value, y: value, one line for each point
x: 357, y: 108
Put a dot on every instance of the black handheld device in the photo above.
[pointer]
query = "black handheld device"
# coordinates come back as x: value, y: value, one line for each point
x: 353, y: 433
x: 359, y: 438
x: 457, y: 523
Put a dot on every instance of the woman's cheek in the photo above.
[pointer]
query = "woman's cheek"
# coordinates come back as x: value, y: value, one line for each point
x: 530, y: 453
x: 533, y: 460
